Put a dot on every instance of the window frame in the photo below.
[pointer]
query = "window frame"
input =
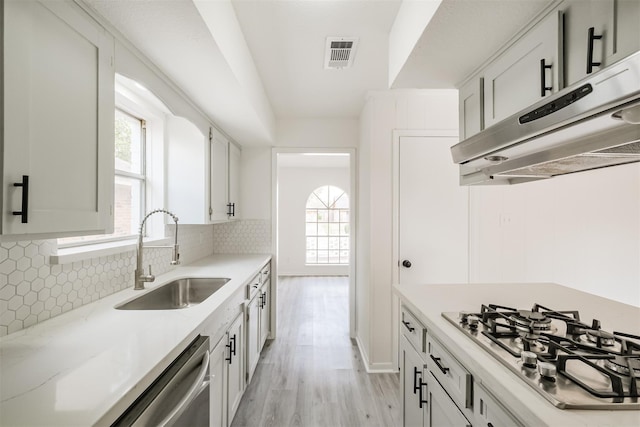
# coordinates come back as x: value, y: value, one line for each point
x: 342, y: 260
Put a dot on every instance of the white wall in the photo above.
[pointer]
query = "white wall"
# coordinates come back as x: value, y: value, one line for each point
x: 294, y: 187
x: 304, y: 133
x: 384, y: 112
x: 255, y: 193
x: 580, y: 230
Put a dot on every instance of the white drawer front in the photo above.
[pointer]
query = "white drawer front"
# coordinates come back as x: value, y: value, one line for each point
x: 454, y: 377
x: 413, y: 330
x: 488, y: 412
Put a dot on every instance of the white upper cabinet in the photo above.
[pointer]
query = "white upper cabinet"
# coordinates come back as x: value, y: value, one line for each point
x: 219, y: 177
x: 203, y: 174
x: 598, y: 33
x: 527, y: 71
x: 187, y: 171
x: 58, y: 117
x: 471, y: 105
x: 234, y: 181
x: 225, y: 179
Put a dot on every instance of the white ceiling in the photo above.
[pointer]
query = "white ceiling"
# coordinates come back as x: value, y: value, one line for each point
x: 285, y: 42
x: 461, y: 36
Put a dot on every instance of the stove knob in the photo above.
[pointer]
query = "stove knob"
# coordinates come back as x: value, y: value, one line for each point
x: 473, y: 321
x: 529, y: 359
x: 547, y: 370
x: 463, y: 316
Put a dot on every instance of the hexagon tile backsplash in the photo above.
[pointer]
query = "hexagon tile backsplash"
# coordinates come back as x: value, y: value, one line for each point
x: 32, y: 290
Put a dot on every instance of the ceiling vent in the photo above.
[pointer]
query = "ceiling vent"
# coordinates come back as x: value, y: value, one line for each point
x: 339, y: 52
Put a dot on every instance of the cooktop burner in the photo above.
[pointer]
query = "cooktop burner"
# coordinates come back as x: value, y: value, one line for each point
x: 572, y: 364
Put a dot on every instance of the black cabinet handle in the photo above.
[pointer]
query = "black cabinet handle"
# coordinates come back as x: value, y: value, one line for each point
x: 591, y: 36
x: 489, y: 425
x: 231, y: 209
x: 408, y: 326
x: 264, y: 299
x: 25, y: 199
x: 543, y: 78
x: 416, y: 385
x: 406, y: 263
x: 443, y: 369
x: 420, y: 397
x: 232, y: 348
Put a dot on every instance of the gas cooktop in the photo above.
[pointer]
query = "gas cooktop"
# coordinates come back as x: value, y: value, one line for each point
x: 572, y: 364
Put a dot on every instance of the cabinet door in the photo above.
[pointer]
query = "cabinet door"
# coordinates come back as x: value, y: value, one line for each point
x: 265, y: 309
x: 219, y: 178
x: 253, y: 335
x: 488, y: 412
x: 58, y: 120
x: 471, y: 106
x: 186, y: 171
x: 411, y: 377
x: 218, y: 384
x: 627, y: 27
x: 234, y: 181
x: 442, y: 411
x: 579, y: 16
x: 518, y: 78
x: 235, y: 367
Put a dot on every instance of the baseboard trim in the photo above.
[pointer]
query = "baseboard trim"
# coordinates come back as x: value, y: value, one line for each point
x: 373, y: 368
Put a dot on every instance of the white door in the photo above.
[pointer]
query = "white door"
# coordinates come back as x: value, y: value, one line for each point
x: 432, y: 213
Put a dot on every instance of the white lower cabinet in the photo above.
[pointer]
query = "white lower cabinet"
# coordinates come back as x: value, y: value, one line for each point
x: 253, y: 337
x: 257, y: 317
x: 436, y: 389
x: 218, y: 375
x: 265, y: 312
x: 235, y: 366
x: 488, y: 412
x: 442, y: 411
x: 412, y: 369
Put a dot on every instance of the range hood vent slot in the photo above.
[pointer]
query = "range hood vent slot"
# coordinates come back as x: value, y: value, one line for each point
x: 339, y: 52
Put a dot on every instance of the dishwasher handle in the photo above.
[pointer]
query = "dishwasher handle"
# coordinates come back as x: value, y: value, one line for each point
x: 196, y: 388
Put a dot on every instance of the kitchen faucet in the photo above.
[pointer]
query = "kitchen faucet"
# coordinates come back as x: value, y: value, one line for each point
x: 140, y: 277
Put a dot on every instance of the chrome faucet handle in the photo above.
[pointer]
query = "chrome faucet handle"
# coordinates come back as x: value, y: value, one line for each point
x: 175, y: 259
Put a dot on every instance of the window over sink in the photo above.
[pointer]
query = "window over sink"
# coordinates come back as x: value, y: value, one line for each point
x: 138, y: 163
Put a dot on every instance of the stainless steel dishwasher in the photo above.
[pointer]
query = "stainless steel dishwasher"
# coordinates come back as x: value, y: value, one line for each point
x: 179, y: 396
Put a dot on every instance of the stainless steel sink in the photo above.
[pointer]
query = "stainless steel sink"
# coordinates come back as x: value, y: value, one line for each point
x: 180, y: 293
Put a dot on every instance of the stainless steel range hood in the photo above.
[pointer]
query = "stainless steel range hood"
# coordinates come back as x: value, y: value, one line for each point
x: 592, y: 124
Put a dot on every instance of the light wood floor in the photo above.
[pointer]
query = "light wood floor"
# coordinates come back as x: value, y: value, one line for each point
x: 312, y: 373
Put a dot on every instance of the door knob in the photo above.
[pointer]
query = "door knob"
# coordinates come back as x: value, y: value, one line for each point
x: 406, y: 263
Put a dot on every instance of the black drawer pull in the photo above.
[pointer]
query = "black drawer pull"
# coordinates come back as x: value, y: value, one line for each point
x: 443, y: 369
x: 591, y: 36
x: 408, y: 325
x: 543, y: 78
x: 23, y: 213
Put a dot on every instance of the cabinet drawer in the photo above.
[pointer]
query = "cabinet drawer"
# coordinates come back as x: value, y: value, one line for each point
x: 413, y: 330
x: 265, y: 272
x: 488, y: 412
x: 452, y: 375
x: 252, y: 286
x: 442, y: 410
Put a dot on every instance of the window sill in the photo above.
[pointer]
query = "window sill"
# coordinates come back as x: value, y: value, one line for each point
x: 81, y: 253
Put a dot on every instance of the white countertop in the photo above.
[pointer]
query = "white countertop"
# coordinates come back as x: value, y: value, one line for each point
x: 72, y: 370
x: 427, y: 302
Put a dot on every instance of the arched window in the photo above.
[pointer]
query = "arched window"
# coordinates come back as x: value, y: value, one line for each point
x: 327, y: 226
